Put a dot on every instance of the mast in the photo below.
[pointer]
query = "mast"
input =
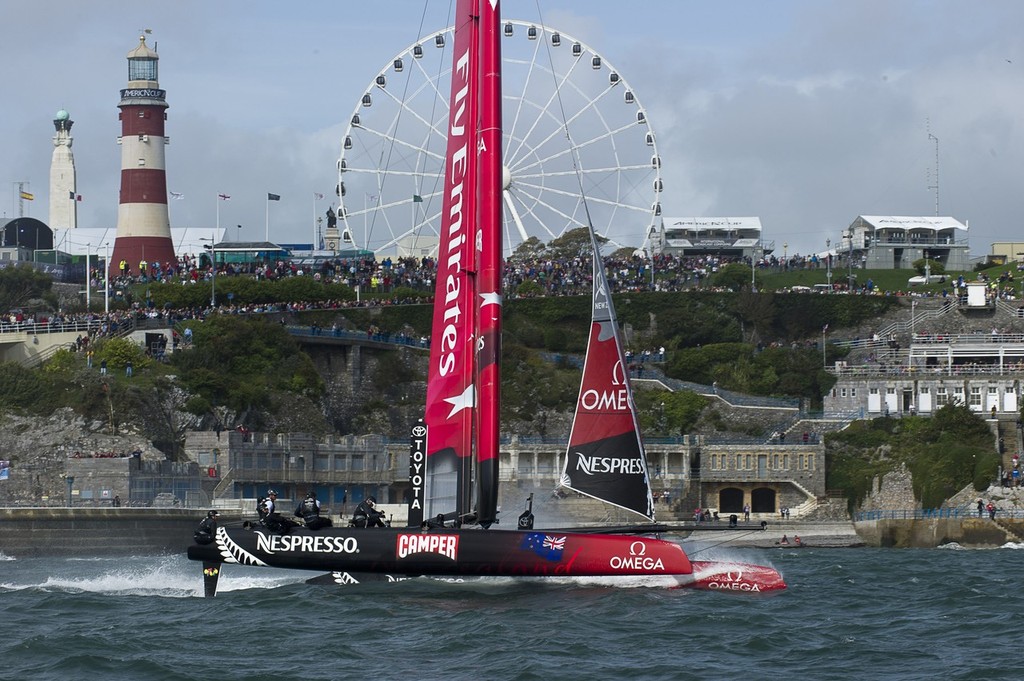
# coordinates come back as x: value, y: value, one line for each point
x: 489, y: 323
x: 451, y: 396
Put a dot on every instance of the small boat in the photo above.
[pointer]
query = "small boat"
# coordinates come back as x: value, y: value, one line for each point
x: 454, y: 450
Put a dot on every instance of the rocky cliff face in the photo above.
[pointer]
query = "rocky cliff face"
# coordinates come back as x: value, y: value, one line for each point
x: 38, y: 448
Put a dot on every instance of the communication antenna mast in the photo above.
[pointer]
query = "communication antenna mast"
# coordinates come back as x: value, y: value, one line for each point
x: 936, y: 185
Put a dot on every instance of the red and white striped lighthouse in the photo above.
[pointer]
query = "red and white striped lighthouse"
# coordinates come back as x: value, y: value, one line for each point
x: 143, y: 225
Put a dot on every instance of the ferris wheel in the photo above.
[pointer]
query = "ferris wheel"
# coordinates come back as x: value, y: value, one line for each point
x: 569, y: 119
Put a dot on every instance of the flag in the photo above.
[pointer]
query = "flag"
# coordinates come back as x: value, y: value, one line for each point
x: 373, y: 197
x: 224, y: 197
x: 78, y: 198
x: 72, y: 196
x: 416, y: 198
x: 27, y: 196
x: 177, y: 196
x: 824, y: 328
x: 318, y: 196
x: 545, y: 546
x: 273, y: 197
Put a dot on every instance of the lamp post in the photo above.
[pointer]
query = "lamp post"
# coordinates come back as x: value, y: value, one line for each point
x: 849, y: 261
x: 88, y: 286
x: 213, y: 269
x: 106, y: 280
x: 71, y: 482
x: 828, y: 262
x: 785, y: 256
x: 753, y: 267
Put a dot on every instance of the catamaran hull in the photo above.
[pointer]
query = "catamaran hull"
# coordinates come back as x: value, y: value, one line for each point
x: 443, y: 552
x: 350, y: 553
x: 734, y: 577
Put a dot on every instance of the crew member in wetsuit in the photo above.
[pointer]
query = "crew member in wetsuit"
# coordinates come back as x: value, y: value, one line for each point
x: 269, y: 516
x: 309, y: 511
x: 207, y: 528
x: 367, y: 515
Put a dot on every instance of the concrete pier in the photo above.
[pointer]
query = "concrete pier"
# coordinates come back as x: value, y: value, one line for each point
x: 33, y: 532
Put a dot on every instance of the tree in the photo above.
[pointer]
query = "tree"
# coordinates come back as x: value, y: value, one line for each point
x: 21, y: 284
x: 574, y: 244
x: 530, y: 249
x: 733, y: 276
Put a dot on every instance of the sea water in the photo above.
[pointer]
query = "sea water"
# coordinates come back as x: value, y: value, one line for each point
x: 947, y: 613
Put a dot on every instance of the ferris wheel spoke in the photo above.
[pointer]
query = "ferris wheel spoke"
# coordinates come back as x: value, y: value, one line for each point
x: 566, y: 126
x: 430, y: 127
x: 511, y: 205
x: 521, y: 100
x: 538, y: 199
x: 545, y: 109
x: 540, y: 189
x: 528, y: 208
x: 391, y: 140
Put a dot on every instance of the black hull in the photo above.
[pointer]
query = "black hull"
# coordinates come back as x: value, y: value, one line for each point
x: 400, y: 551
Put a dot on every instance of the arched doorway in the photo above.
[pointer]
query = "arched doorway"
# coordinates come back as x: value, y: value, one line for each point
x: 730, y: 500
x: 762, y: 500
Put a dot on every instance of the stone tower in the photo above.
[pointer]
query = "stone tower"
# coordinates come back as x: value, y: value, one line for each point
x: 63, y: 206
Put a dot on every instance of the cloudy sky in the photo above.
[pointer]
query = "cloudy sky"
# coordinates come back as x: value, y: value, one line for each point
x: 805, y: 113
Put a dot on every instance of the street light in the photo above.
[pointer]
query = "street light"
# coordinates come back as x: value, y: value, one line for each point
x: 753, y: 264
x: 828, y: 262
x: 849, y: 261
x: 785, y: 256
x: 88, y: 282
x: 106, y: 280
x: 213, y: 268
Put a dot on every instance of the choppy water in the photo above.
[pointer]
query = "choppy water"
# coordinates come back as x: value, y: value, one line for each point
x: 849, y: 614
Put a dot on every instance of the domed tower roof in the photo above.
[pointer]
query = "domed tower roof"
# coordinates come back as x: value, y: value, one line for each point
x: 62, y: 115
x: 142, y: 51
x: 142, y: 63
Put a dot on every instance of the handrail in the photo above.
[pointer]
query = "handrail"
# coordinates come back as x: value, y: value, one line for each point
x: 963, y: 512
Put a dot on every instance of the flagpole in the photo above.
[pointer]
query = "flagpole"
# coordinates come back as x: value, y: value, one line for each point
x: 268, y: 218
x: 312, y: 246
x: 824, y: 362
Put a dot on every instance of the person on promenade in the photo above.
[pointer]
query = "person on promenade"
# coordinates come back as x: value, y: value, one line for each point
x: 991, y: 508
x: 103, y: 367
x: 981, y: 507
x: 746, y: 512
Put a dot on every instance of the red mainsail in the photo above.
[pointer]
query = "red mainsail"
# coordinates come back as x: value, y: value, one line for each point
x: 451, y: 396
x: 489, y: 284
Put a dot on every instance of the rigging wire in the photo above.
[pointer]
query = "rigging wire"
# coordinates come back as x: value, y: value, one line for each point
x: 384, y: 160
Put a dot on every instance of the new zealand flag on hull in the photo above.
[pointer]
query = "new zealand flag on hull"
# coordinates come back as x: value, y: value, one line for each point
x: 544, y: 545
